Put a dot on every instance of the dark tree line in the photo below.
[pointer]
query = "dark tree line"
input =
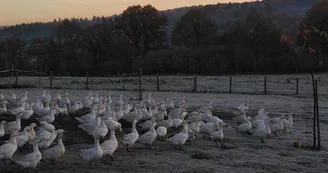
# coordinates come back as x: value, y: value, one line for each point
x: 139, y: 37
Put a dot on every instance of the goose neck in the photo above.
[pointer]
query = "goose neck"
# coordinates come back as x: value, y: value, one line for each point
x: 112, y: 134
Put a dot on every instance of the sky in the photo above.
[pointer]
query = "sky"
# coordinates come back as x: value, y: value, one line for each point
x: 26, y: 11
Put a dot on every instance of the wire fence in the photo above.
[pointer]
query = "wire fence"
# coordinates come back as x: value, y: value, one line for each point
x: 243, y: 84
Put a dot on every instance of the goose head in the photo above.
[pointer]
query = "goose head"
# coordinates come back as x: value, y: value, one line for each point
x: 3, y: 122
x: 13, y: 134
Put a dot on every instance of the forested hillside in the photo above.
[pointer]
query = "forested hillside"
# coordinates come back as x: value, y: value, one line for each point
x: 212, y: 39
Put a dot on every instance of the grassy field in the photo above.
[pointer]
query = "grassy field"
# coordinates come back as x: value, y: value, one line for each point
x: 247, y: 154
x: 252, y: 84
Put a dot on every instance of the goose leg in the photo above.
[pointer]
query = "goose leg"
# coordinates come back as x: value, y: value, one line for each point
x: 223, y: 146
x: 111, y: 157
x: 276, y: 134
x: 180, y: 147
x: 262, y: 140
x: 127, y: 148
x: 216, y: 142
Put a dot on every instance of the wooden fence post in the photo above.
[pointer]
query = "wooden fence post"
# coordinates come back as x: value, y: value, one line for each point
x: 157, y: 77
x: 265, y: 85
x: 16, y: 76
x: 140, y: 84
x: 50, y: 79
x: 195, y: 84
x: 123, y: 81
x: 87, y: 83
x: 318, y: 119
x: 297, y: 79
x: 230, y: 83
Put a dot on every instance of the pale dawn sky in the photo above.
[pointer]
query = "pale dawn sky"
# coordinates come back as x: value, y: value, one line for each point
x: 26, y: 11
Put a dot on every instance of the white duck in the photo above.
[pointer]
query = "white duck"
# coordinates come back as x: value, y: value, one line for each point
x: 245, y: 127
x: 288, y: 123
x: 93, y: 154
x: 13, y: 125
x: 149, y: 137
x: 55, y: 152
x: 161, y: 132
x: 30, y: 160
x: 110, y: 146
x: 2, y: 129
x: 8, y: 149
x: 130, y: 138
x: 181, y: 137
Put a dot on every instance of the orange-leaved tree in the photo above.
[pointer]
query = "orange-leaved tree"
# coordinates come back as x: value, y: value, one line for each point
x: 312, y: 38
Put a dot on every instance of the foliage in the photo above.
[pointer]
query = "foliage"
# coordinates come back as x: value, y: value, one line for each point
x: 194, y: 29
x: 206, y: 39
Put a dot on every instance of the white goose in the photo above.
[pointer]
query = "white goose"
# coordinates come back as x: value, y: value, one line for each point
x: 46, y: 143
x: 110, y: 146
x: 129, y: 139
x: 47, y: 116
x: 245, y: 127
x: 166, y: 123
x: 55, y: 152
x: 262, y: 131
x: 102, y: 129
x: 181, y: 137
x: 31, y: 132
x: 12, y: 126
x: 276, y: 127
x: 217, y: 136
x: 208, y: 128
x: 93, y: 154
x: 8, y: 149
x: 45, y: 126
x: 288, y: 123
x: 26, y: 114
x: 195, y: 128
x: 3, y: 109
x: 149, y: 137
x: 30, y: 160
x: 2, y: 129
x: 22, y: 138
x: 161, y: 132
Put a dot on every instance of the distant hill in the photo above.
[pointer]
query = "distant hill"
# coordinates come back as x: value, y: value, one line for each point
x: 221, y: 13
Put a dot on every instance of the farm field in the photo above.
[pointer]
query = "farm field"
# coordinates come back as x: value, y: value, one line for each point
x: 245, y: 154
x: 252, y: 84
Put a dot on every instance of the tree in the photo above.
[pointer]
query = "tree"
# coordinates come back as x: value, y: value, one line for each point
x: 70, y: 36
x: 255, y: 31
x: 194, y: 29
x: 313, y: 39
x: 144, y: 27
x: 14, y: 47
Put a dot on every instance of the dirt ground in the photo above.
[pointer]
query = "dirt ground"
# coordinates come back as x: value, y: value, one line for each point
x: 245, y: 154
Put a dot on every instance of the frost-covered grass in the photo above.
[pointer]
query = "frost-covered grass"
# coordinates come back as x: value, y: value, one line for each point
x: 253, y: 84
x: 247, y: 154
